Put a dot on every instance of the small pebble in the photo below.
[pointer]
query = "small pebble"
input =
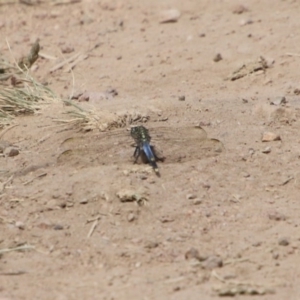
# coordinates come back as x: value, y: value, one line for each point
x: 191, y: 196
x: 58, y: 227
x: 11, y: 151
x: 84, y: 97
x: 276, y: 216
x: 239, y: 9
x: 45, y: 224
x: 151, y: 245
x: 143, y: 177
x: 170, y: 16
x: 193, y: 253
x: 181, y: 98
x: 297, y: 91
x: 270, y: 136
x: 208, y: 214
x: 126, y: 195
x: 166, y: 219
x: 279, y: 101
x: 83, y: 201
x: 245, y: 174
x: 217, y: 57
x: 283, y: 241
x: 67, y: 49
x: 256, y: 244
x: 62, y: 204
x: 251, y: 151
x: 131, y: 217
x: 212, y: 262
x: 197, y: 201
x: 266, y: 150
x: 20, y: 225
x: 246, y: 22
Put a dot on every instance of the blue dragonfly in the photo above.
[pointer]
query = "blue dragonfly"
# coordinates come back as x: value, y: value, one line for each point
x: 142, y: 139
x: 165, y: 144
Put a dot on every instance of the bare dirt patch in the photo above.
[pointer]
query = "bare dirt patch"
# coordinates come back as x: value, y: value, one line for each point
x: 211, y: 225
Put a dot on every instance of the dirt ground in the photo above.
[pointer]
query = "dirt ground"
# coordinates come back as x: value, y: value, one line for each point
x: 213, y: 225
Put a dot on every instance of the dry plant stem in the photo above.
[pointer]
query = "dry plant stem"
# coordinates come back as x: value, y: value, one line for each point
x: 78, y: 60
x: 63, y: 63
x: 292, y: 54
x: 97, y: 218
x: 93, y: 227
x: 13, y: 273
x: 62, y: 2
x: 20, y: 248
x: 38, y: 176
x: 217, y: 276
x: 47, y: 56
x: 233, y: 261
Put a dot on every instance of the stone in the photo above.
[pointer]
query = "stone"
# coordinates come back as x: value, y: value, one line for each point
x: 131, y: 217
x: 170, y: 16
x: 239, y: 9
x: 192, y: 253
x: 270, y: 136
x: 217, y: 57
x: 267, y: 150
x: 11, y: 151
x: 212, y: 262
x: 283, y: 241
x: 279, y: 101
x: 276, y: 216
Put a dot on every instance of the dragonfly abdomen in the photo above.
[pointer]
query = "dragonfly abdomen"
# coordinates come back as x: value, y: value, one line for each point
x: 142, y: 138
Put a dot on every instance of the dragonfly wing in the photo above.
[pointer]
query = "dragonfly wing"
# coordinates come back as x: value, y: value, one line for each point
x: 171, y: 145
x: 85, y: 150
x: 177, y: 134
x: 184, y: 144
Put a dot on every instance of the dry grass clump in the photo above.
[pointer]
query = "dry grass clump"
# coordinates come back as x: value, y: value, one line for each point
x: 20, y: 93
x: 102, y: 120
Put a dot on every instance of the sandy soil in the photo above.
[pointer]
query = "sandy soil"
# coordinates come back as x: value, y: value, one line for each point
x: 211, y: 224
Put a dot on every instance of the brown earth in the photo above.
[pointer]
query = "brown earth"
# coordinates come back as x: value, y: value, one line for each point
x: 227, y: 222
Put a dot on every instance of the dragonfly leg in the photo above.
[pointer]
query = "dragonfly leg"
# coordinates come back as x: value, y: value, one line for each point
x: 137, y: 153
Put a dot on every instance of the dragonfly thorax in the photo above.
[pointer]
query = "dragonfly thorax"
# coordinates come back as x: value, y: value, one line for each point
x: 140, y: 134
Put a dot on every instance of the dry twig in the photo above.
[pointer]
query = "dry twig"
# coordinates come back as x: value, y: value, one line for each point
x: 93, y: 227
x: 19, y: 248
x: 65, y: 62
